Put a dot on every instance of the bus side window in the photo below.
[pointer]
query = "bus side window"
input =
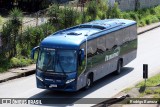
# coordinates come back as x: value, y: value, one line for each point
x: 81, y: 62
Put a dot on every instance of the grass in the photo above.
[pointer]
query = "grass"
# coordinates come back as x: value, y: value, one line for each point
x: 157, y: 91
x: 148, y: 91
x: 127, y: 89
x: 153, y: 92
x: 14, y: 62
x: 151, y: 82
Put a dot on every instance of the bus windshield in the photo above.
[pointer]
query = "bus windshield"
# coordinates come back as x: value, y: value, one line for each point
x: 57, y: 60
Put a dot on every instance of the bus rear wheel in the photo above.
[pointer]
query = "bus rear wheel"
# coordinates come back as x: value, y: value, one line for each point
x: 119, y: 66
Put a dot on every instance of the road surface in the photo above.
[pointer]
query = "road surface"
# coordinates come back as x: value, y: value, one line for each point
x: 148, y: 53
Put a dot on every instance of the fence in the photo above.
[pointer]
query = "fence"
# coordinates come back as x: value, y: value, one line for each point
x: 35, y: 19
x: 136, y: 4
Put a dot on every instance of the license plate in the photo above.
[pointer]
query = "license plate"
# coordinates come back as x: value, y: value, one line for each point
x: 52, y: 85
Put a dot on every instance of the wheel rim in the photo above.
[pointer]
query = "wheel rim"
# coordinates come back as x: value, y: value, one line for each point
x: 88, y: 82
x: 119, y: 67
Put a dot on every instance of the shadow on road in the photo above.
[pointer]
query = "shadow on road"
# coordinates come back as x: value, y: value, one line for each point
x: 74, y: 97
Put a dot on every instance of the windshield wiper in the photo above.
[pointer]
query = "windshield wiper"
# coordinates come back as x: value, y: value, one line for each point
x: 49, y: 61
x: 60, y: 65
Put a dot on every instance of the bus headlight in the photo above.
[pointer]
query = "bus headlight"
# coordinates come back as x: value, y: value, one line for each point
x: 69, y: 81
x: 39, y: 78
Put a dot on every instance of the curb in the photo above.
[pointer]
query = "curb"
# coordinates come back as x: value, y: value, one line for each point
x: 153, y: 26
x: 18, y: 76
x: 26, y: 72
x: 17, y: 73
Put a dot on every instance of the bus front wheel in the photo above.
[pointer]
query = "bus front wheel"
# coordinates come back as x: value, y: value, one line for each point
x: 89, y: 81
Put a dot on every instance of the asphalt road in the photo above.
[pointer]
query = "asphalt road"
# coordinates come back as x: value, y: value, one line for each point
x: 107, y: 87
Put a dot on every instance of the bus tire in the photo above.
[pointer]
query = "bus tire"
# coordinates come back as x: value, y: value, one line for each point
x: 89, y: 81
x: 119, y: 66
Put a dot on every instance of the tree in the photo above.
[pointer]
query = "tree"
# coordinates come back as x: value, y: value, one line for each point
x: 114, y: 12
x: 16, y: 23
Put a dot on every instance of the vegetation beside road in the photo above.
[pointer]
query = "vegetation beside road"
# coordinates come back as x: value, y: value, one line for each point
x: 150, y: 89
x: 144, y: 16
x: 17, y: 45
x: 151, y: 82
x: 2, y: 20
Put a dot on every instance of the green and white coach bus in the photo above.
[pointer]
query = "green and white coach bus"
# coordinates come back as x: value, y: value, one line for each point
x: 74, y: 58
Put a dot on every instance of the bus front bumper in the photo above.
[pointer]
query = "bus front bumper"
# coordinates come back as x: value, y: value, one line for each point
x: 69, y: 86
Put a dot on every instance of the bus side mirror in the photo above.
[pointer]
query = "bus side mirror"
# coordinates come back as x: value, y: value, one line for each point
x: 33, y: 51
x: 81, y: 56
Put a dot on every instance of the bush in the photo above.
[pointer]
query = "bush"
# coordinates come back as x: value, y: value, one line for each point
x: 158, y: 16
x: 114, y: 12
x: 33, y: 36
x: 92, y: 10
x: 154, y: 19
x: 148, y: 21
x: 157, y: 9
x: 1, y: 20
x: 153, y: 11
x: 125, y: 15
x: 67, y: 17
x: 134, y: 16
x: 141, y: 23
x: 53, y: 12
x: 102, y: 9
x: 47, y: 29
x: 20, y: 62
x: 4, y: 64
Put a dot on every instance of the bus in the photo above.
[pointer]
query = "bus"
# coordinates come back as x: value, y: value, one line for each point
x: 74, y: 58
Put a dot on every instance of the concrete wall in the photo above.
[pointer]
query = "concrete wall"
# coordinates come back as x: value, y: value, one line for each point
x: 133, y: 4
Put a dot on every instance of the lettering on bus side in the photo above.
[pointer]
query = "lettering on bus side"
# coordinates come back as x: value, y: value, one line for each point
x: 115, y: 54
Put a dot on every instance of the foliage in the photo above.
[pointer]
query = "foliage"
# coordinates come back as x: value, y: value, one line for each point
x: 92, y: 10
x: 47, y: 29
x: 1, y: 20
x: 68, y: 17
x: 102, y: 9
x: 32, y: 37
x: 20, y: 62
x: 53, y: 11
x: 10, y: 31
x: 63, y: 17
x: 60, y: 17
x: 144, y: 16
x: 14, y: 62
x: 148, y: 91
x: 114, y: 12
x: 6, y: 38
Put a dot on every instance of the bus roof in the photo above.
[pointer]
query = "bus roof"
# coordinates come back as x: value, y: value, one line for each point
x: 72, y: 38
